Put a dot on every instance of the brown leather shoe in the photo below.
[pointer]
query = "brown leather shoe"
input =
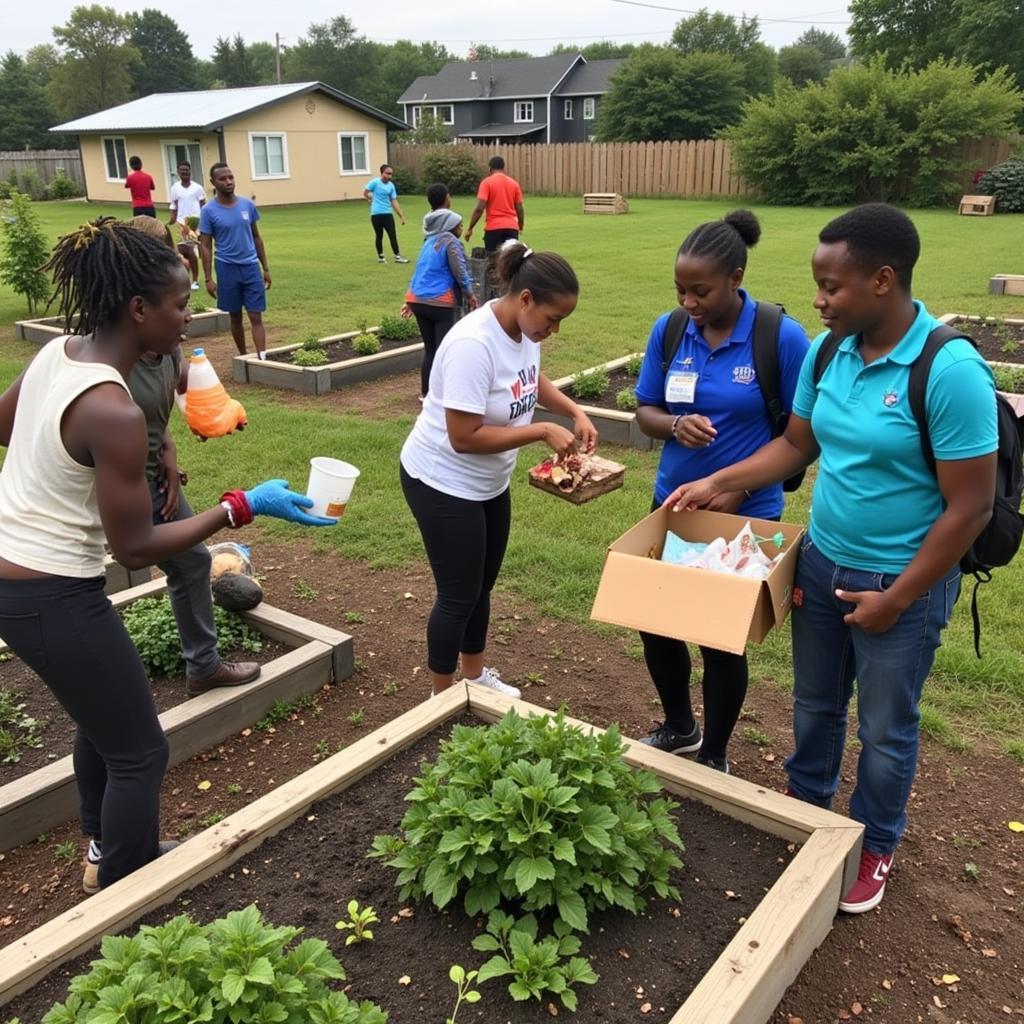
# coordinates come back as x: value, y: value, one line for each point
x: 230, y: 673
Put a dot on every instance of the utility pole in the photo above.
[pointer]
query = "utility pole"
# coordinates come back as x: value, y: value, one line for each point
x: 277, y: 55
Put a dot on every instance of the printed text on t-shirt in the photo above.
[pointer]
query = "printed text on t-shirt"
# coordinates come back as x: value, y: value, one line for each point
x: 524, y: 392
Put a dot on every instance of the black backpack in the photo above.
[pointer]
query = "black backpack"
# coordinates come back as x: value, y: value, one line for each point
x: 767, y: 321
x: 999, y: 541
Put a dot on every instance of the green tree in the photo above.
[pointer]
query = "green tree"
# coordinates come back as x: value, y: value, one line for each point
x: 96, y: 66
x: 659, y: 94
x: 166, y: 63
x: 333, y: 52
x: 828, y: 44
x: 25, y: 111
x: 263, y: 62
x: 916, y: 31
x: 430, y: 130
x: 603, y: 49
x: 400, y: 64
x: 482, y: 51
x: 802, y: 65
x: 990, y: 33
x: 723, y: 34
x: 870, y: 132
x: 41, y: 61
x: 24, y: 251
x: 233, y: 64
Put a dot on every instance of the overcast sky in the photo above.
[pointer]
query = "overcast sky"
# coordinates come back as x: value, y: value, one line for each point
x: 532, y: 25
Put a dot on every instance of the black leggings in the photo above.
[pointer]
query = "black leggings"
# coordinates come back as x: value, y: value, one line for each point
x: 434, y: 323
x: 68, y: 632
x: 384, y: 222
x: 465, y: 542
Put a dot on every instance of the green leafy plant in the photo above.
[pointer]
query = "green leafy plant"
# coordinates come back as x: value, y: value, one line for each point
x: 18, y: 731
x: 237, y: 968
x: 211, y: 819
x: 305, y: 591
x: 398, y: 328
x: 150, y: 624
x: 972, y: 871
x: 62, y: 186
x: 1009, y: 379
x: 232, y: 788
x: 464, y: 991
x: 309, y: 357
x: 626, y: 400
x: 390, y: 688
x: 24, y: 249
x: 756, y: 736
x: 366, y: 344
x: 356, y: 718
x: 538, y: 812
x: 66, y: 851
x: 198, y: 306
x: 282, y: 710
x: 1005, y: 181
x: 590, y: 383
x: 536, y: 966
x: 312, y: 341
x: 456, y: 166
x: 634, y: 363
x: 354, y: 618
x: 358, y: 923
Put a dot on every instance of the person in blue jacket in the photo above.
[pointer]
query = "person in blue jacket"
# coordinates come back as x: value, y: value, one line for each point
x: 709, y: 410
x: 441, y: 282
x: 879, y: 570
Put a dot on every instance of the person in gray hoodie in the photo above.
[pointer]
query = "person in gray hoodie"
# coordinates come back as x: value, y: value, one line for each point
x: 441, y: 282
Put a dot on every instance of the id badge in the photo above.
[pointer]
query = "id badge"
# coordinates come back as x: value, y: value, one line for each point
x: 681, y: 387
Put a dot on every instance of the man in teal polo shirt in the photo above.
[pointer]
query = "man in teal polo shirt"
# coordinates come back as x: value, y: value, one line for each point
x: 879, y: 569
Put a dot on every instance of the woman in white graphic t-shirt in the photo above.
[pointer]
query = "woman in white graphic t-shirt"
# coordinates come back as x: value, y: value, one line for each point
x: 457, y: 462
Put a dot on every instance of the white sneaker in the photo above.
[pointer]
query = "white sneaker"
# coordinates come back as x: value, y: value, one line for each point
x: 491, y: 680
x: 195, y: 286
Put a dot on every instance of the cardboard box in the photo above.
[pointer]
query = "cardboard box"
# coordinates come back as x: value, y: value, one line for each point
x: 709, y: 608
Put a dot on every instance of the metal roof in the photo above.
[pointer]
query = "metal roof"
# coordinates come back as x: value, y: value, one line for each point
x: 207, y: 109
x: 491, y: 79
x: 589, y: 79
x: 495, y: 131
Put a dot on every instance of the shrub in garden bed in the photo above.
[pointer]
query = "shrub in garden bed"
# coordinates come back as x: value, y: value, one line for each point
x: 366, y: 344
x: 1009, y: 379
x: 608, y: 388
x: 590, y: 383
x: 398, y: 328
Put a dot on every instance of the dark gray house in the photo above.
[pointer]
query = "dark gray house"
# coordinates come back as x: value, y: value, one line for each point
x: 536, y: 99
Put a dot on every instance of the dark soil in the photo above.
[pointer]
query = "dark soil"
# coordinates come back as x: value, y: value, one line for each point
x: 308, y: 873
x: 998, y: 341
x: 617, y: 380
x: 337, y: 351
x: 58, y: 731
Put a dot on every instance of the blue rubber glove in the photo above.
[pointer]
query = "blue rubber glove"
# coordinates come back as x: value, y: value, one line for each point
x: 272, y: 498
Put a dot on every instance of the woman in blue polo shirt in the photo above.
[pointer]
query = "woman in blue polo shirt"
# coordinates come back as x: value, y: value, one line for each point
x: 709, y: 410
x: 878, y: 572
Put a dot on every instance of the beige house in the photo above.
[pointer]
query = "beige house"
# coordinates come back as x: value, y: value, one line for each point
x: 302, y: 143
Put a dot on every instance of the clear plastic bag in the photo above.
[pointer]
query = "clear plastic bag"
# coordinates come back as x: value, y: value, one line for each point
x: 742, y: 556
x: 230, y: 557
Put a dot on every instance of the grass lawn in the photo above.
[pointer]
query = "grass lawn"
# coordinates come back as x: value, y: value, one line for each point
x: 326, y: 279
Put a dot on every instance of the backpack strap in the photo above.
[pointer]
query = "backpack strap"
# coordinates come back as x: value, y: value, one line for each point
x: 673, y: 336
x: 767, y: 323
x: 826, y: 353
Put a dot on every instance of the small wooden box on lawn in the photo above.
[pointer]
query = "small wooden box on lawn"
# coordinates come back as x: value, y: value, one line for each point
x: 1006, y: 284
x: 604, y: 202
x: 977, y: 206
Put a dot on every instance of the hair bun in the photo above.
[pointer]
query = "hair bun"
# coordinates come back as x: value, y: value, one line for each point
x: 746, y: 225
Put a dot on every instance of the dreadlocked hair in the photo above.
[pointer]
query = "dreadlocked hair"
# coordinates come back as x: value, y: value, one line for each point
x: 100, y: 266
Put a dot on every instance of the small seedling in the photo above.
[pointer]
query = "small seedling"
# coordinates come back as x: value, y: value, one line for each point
x: 212, y: 818
x: 390, y: 688
x: 972, y: 871
x: 533, y: 678
x: 356, y: 718
x: 557, y: 652
x: 354, y: 618
x: 1009, y: 346
x: 756, y: 736
x: 634, y: 364
x: 358, y: 923
x: 465, y: 993
x: 43, y: 837
x: 749, y: 715
x: 233, y: 789
x: 625, y: 400
x: 311, y: 341
x: 321, y: 749
x: 282, y: 710
x: 305, y: 592
x: 66, y: 851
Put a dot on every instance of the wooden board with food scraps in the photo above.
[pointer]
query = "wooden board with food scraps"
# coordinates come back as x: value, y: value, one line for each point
x: 578, y: 478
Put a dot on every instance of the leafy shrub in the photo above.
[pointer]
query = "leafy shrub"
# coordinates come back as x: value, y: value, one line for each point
x: 869, y: 132
x: 405, y: 181
x: 366, y: 344
x: 455, y: 166
x: 626, y: 400
x: 198, y: 306
x: 397, y: 328
x: 237, y: 968
x: 150, y: 624
x: 1005, y: 181
x: 1009, y: 379
x: 311, y: 340
x: 62, y: 186
x: 24, y: 249
x: 309, y: 357
x: 538, y: 812
x: 590, y: 383
x: 28, y: 182
x: 634, y: 364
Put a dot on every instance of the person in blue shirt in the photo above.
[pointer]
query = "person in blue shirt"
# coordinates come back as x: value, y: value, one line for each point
x: 709, y: 410
x: 229, y: 223
x: 878, y: 572
x: 382, y: 196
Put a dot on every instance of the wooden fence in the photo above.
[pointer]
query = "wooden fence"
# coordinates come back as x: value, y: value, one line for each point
x: 44, y: 163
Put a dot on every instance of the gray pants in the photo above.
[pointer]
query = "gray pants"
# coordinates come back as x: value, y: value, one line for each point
x: 188, y: 587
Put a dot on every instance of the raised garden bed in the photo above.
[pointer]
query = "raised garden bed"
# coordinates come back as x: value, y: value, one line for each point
x: 614, y: 425
x: 1001, y: 342
x: 119, y: 578
x: 314, y: 655
x: 769, y: 919
x: 44, y: 329
x: 343, y: 367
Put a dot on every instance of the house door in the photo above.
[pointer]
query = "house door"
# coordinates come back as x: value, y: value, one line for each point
x: 176, y: 153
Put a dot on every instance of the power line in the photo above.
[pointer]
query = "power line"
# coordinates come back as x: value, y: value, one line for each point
x: 683, y: 10
x: 609, y: 36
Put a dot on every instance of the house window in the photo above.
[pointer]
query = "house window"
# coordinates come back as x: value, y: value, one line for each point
x: 523, y: 111
x: 354, y: 152
x: 567, y: 110
x: 445, y: 114
x: 116, y: 159
x: 269, y: 154
x: 588, y: 108
x: 416, y: 116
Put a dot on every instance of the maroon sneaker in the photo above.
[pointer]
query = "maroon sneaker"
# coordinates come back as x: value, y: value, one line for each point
x: 867, y: 892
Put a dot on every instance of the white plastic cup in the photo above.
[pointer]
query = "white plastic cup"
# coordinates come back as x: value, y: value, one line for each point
x: 330, y: 486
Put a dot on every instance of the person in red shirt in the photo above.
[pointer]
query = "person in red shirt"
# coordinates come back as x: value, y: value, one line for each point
x: 502, y: 198
x: 141, y: 186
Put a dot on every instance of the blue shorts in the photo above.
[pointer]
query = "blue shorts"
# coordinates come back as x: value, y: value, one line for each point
x: 240, y: 286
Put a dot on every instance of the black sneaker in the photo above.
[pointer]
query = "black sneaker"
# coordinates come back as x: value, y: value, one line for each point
x: 672, y: 742
x: 720, y: 764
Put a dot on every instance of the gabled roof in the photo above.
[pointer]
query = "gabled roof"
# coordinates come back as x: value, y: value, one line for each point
x: 207, y: 109
x: 494, y: 79
x: 589, y: 78
x: 501, y: 131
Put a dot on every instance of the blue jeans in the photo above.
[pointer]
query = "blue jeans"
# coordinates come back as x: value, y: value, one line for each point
x: 890, y: 669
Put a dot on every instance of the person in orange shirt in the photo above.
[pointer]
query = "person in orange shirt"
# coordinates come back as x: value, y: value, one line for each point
x: 502, y: 198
